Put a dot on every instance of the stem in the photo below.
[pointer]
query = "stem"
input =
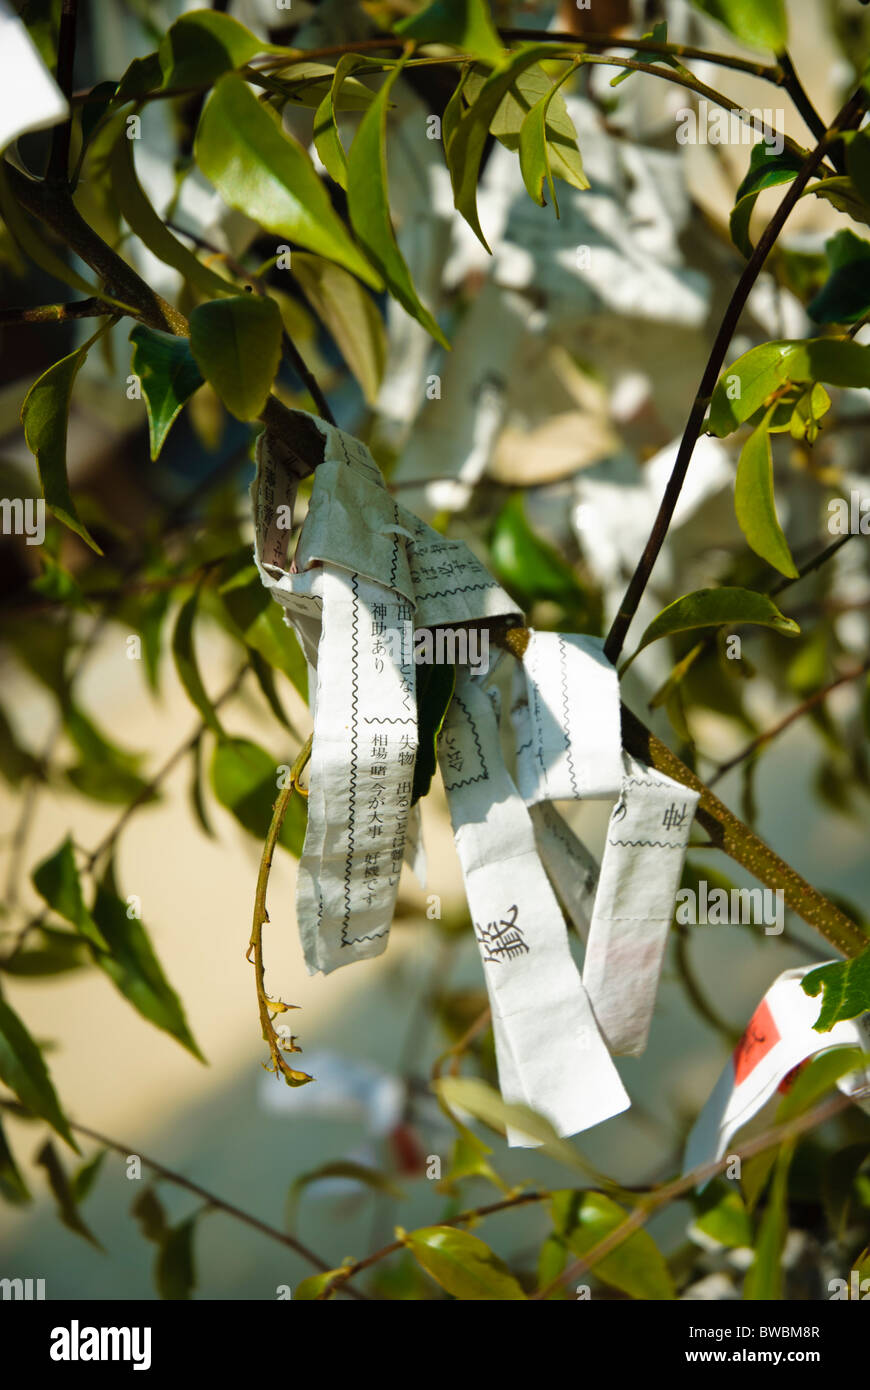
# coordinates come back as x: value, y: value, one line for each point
x: 58, y: 159
x: 218, y: 1203
x: 277, y: 1046
x: 798, y: 94
x: 57, y: 313
x: 640, y: 578
x: 762, y: 740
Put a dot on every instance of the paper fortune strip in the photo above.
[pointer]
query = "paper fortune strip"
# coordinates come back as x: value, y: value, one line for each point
x: 779, y: 1037
x: 365, y: 575
x: 549, y: 1049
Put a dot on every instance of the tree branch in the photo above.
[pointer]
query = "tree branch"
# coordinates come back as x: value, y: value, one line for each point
x: 58, y: 159
x: 633, y: 594
x: 57, y: 313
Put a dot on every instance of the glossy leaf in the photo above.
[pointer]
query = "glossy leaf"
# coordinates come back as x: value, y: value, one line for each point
x: 845, y: 296
x: 763, y: 1280
x: 150, y: 228
x: 258, y: 169
x: 200, y: 47
x: 369, y: 205
x: 463, y: 24
x: 746, y: 385
x: 767, y: 169
x: 530, y: 87
x: 761, y: 25
x: 133, y: 968
x: 845, y: 989
x: 714, y: 607
x: 186, y: 664
x: 349, y: 313
x: 237, y: 346
x: 463, y: 1265
x: 858, y: 164
x: 636, y: 1266
x: 245, y: 780
x: 307, y: 1290
x: 721, y: 1214
x: 23, y: 1070
x: 469, y: 139
x: 45, y: 416
x: 309, y: 84
x: 327, y: 140
x: 258, y: 620
x: 816, y: 1079
x: 755, y: 505
x: 169, y: 376
x: 535, y: 164
x: 528, y: 566
x: 67, y: 1207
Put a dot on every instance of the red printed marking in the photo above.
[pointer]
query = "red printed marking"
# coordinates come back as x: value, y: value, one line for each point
x: 761, y: 1035
x: 791, y: 1077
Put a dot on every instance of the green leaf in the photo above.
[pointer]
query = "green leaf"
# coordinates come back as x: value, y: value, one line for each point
x: 312, y: 1287
x: 145, y: 223
x: 309, y: 84
x: 327, y: 140
x: 196, y: 792
x: 13, y: 1188
x: 845, y: 989
x: 186, y: 663
x: 61, y: 952
x: 463, y: 24
x: 659, y: 34
x: 467, y: 1161
x: 237, y: 346
x: 816, y: 1079
x: 746, y: 385
x: 27, y: 236
x: 169, y: 376
x: 342, y: 1168
x: 712, y: 608
x: 764, y: 1277
x: 767, y: 169
x: 369, y: 207
x: 83, y: 1179
x: 761, y: 25
x: 534, y: 148
x: 133, y: 968
x: 721, y: 1214
x: 858, y: 164
x: 199, y: 47
x: 45, y: 416
x: 24, y: 1072
x: 245, y: 780
x: 174, y: 1270
x: 349, y: 313
x: 67, y: 1208
x: 838, y: 1184
x: 469, y: 138
x: 529, y: 567
x: 754, y: 502
x: 16, y: 762
x: 463, y: 1265
x: 636, y: 1266
x: 105, y: 771
x: 435, y: 686
x: 845, y: 296
x: 266, y: 174
x: 56, y: 879
x: 552, y: 1259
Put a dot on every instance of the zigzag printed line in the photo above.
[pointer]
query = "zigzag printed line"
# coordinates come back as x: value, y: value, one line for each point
x: 446, y: 593
x: 374, y: 720
x: 354, y: 700
x: 371, y: 937
x: 569, y: 751
x: 650, y: 844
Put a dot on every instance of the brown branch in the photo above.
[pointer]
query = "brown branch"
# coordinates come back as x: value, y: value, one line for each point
x: 850, y: 113
x: 218, y: 1203
x: 58, y: 159
x: 761, y: 741
x: 56, y: 313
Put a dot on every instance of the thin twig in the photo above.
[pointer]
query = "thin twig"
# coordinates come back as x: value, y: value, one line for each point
x: 761, y: 741
x: 633, y: 594
x: 56, y: 313
x: 58, y: 159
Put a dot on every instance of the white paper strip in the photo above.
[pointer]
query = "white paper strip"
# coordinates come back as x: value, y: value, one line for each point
x: 640, y: 874
x: 779, y: 1037
x: 549, y: 1050
x: 570, y: 867
x: 30, y: 99
x: 574, y: 743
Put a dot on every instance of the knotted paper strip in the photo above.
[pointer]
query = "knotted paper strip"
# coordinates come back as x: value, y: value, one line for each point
x: 640, y: 873
x: 779, y: 1037
x: 549, y: 1050
x: 364, y: 573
